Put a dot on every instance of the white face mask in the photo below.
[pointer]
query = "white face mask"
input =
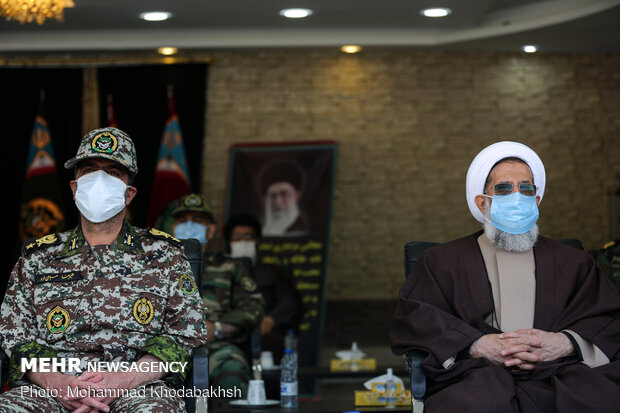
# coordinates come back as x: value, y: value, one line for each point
x: 240, y: 249
x: 100, y: 196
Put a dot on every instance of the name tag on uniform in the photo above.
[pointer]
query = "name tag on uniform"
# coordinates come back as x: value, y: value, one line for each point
x: 59, y: 277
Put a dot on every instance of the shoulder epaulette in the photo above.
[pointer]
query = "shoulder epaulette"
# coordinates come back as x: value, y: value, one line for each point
x: 35, y: 244
x: 155, y: 233
x: 609, y: 244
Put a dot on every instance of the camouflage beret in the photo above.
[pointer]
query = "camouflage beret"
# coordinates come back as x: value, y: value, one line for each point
x: 194, y: 203
x: 109, y: 143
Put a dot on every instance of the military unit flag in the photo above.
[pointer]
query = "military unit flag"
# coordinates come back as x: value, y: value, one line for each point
x: 171, y: 179
x: 41, y: 210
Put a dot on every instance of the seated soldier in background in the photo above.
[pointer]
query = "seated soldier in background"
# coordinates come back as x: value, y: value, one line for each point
x: 104, y: 292
x: 608, y: 261
x: 234, y: 304
x: 242, y: 233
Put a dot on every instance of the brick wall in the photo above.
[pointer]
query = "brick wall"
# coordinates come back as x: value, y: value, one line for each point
x: 409, y: 123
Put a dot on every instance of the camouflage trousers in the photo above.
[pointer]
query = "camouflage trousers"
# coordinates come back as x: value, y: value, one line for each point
x: 228, y: 368
x: 148, y: 399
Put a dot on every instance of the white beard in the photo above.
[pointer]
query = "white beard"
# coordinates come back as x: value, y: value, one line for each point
x: 506, y: 241
x: 276, y: 223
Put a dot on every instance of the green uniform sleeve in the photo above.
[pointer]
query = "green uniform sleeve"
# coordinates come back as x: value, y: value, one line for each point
x: 168, y: 350
x: 26, y: 351
x: 247, y: 306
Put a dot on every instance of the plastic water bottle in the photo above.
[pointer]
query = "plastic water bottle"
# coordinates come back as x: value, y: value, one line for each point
x: 290, y: 341
x: 390, y: 390
x: 288, y: 380
x: 355, y: 357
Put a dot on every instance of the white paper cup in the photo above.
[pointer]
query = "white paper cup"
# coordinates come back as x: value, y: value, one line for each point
x: 266, y: 359
x: 256, y: 392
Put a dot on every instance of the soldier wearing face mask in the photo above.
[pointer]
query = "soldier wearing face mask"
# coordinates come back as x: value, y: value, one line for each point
x: 242, y: 232
x: 104, y: 292
x: 234, y: 303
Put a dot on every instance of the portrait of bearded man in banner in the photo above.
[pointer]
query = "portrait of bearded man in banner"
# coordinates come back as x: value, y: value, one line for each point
x: 281, y: 184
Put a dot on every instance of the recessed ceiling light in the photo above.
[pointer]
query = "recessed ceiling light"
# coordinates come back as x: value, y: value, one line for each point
x: 167, y: 50
x: 436, y: 12
x: 295, y: 13
x: 529, y: 48
x: 351, y: 48
x: 155, y: 16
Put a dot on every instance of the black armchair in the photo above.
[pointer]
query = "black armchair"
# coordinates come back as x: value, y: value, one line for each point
x: 199, y: 377
x: 414, y: 358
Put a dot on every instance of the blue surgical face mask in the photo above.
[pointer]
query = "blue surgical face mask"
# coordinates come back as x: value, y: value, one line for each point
x: 514, y: 213
x: 191, y: 229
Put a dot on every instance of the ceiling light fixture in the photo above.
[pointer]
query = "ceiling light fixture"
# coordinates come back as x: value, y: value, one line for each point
x: 351, y: 48
x: 435, y: 12
x: 167, y: 50
x: 529, y: 48
x: 26, y: 11
x: 155, y: 16
x: 295, y: 13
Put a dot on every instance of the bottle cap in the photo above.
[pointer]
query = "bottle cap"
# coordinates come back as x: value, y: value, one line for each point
x: 389, y: 373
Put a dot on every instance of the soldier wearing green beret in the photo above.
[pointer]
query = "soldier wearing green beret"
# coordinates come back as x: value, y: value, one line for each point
x: 234, y: 304
x: 104, y: 292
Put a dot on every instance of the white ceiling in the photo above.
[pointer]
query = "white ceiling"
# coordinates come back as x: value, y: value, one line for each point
x: 480, y: 25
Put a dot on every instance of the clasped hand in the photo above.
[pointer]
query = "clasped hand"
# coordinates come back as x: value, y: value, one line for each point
x: 522, y: 349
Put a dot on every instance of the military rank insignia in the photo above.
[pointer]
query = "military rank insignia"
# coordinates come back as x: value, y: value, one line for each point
x: 155, y: 233
x: 58, y: 320
x: 143, y: 310
x: 187, y: 284
x: 43, y: 242
x: 104, y: 142
x: 247, y: 284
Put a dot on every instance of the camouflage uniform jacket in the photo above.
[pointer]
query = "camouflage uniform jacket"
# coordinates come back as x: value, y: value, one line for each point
x: 608, y: 260
x: 113, y: 302
x: 231, y: 295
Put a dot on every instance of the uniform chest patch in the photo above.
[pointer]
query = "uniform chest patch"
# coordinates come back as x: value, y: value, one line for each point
x: 143, y: 310
x: 60, y: 277
x: 58, y: 320
x: 187, y: 284
x: 247, y: 284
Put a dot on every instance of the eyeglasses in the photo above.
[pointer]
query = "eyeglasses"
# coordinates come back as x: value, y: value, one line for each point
x: 506, y: 189
x: 242, y: 237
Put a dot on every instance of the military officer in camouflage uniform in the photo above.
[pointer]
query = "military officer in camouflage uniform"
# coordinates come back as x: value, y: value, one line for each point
x: 105, y: 291
x: 608, y: 260
x: 234, y: 304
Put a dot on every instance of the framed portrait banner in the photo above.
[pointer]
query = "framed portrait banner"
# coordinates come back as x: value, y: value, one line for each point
x: 289, y: 187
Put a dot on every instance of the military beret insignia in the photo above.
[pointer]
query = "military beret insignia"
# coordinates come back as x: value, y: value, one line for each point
x: 192, y: 201
x: 247, y: 284
x: 58, y: 320
x: 104, y: 142
x: 187, y: 284
x: 39, y: 243
x: 52, y: 278
x: 143, y: 310
x: 155, y: 233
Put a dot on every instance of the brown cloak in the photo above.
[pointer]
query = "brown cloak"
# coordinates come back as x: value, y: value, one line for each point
x: 442, y: 310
